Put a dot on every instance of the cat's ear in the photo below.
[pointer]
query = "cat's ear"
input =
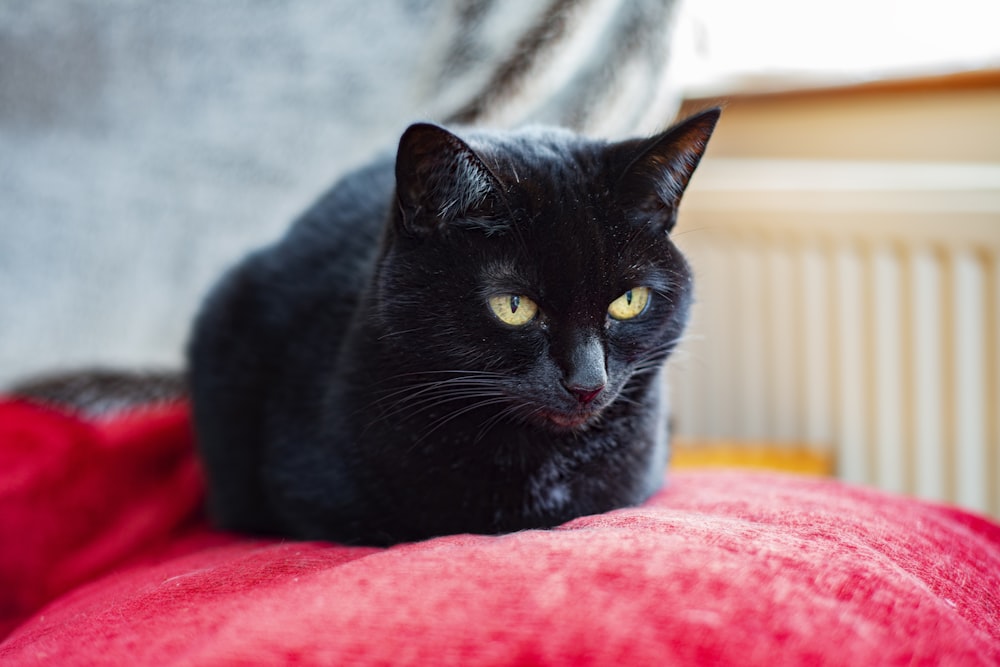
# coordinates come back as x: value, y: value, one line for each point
x: 655, y: 180
x: 440, y: 179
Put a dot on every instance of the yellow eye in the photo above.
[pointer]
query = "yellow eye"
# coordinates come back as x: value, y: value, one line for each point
x: 513, y: 309
x: 630, y: 304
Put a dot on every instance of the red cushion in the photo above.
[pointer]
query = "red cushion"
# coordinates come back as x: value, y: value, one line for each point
x: 101, y: 521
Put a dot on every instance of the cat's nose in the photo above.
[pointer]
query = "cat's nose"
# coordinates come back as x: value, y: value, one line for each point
x: 584, y: 370
x: 584, y: 394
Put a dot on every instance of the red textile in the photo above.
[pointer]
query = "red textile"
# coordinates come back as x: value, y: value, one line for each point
x: 100, y: 522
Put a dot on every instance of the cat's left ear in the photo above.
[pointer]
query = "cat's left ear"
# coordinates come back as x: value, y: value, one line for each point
x: 655, y: 180
x: 440, y: 180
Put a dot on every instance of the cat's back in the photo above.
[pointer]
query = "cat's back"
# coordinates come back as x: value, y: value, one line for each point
x: 243, y: 343
x: 345, y: 223
x: 327, y: 252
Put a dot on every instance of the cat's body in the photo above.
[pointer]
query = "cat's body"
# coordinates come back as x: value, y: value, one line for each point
x: 430, y: 349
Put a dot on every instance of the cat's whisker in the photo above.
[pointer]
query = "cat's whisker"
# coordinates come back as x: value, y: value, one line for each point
x: 525, y: 413
x: 687, y: 338
x: 491, y: 422
x: 519, y: 411
x: 658, y: 353
x: 451, y: 371
x: 410, y: 399
x: 404, y: 408
x: 467, y: 379
x: 417, y: 389
x: 393, y: 334
x: 441, y: 395
x: 622, y: 399
x: 437, y: 424
x: 648, y: 366
x: 703, y: 229
x: 458, y: 374
x: 414, y: 410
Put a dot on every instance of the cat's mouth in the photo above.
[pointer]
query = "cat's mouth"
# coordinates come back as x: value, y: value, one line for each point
x: 561, y: 412
x: 577, y: 414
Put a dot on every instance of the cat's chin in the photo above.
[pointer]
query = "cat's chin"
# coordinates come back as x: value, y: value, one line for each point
x: 562, y: 421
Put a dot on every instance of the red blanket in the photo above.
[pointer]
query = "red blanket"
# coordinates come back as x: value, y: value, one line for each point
x: 105, y: 559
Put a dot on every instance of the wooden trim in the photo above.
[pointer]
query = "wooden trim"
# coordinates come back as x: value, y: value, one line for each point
x: 984, y: 79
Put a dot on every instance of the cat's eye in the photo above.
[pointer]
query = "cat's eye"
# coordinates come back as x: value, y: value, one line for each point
x: 513, y: 309
x: 630, y: 304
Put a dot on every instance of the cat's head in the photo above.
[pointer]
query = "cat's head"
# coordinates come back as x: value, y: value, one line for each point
x: 533, y: 271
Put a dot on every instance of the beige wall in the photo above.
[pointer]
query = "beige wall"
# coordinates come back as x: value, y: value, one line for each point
x: 947, y: 119
x: 846, y: 245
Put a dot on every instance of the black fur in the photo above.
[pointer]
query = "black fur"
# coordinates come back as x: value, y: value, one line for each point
x: 350, y: 382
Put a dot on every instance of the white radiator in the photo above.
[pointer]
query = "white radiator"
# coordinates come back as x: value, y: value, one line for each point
x: 852, y: 307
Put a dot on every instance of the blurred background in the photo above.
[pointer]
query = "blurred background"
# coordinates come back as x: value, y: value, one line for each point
x: 844, y: 226
x: 845, y: 230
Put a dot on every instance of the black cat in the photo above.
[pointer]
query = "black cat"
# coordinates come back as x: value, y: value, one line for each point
x: 470, y: 341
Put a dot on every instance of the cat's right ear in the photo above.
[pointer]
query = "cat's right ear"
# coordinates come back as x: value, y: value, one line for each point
x: 440, y: 179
